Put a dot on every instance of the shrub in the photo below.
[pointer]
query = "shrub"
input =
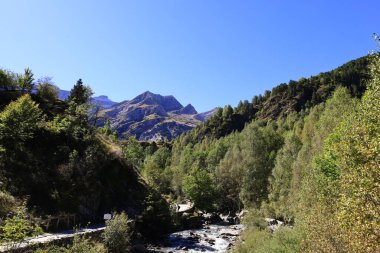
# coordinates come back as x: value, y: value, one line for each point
x: 116, y: 236
x: 84, y: 245
x: 80, y: 245
x: 284, y: 240
x: 7, y: 203
x: 17, y: 228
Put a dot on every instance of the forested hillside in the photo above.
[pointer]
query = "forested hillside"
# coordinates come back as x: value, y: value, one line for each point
x: 305, y: 153
x: 55, y: 163
x: 285, y: 99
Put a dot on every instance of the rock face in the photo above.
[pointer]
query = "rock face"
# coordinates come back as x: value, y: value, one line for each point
x: 104, y: 101
x: 205, y: 115
x: 151, y: 117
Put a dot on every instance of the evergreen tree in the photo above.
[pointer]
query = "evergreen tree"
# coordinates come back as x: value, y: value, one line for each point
x: 26, y: 81
x: 80, y: 93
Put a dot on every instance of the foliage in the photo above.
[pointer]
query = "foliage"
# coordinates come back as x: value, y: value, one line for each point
x: 107, y: 130
x: 350, y: 174
x: 117, y: 234
x: 156, y: 214
x: 257, y: 238
x: 199, y: 186
x: 133, y: 152
x: 284, y: 99
x: 7, y: 204
x: 80, y: 245
x: 154, y: 169
x: 19, y: 120
x: 284, y: 240
x: 55, y: 160
x: 7, y: 80
x: 17, y: 228
x: 46, y: 90
x: 259, y: 148
x: 80, y: 94
x: 26, y: 81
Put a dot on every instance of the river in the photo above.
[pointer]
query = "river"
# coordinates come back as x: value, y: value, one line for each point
x: 210, y: 238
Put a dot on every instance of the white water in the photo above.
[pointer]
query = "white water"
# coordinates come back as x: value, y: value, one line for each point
x: 212, y: 238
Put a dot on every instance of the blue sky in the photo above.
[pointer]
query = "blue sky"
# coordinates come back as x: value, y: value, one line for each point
x: 205, y: 52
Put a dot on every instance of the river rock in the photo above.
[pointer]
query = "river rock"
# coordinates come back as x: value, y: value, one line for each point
x: 139, y: 248
x: 212, y: 218
x: 229, y: 232
x: 193, y: 222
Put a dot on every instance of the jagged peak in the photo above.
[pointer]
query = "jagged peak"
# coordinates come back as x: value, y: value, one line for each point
x: 169, y: 103
x: 189, y: 109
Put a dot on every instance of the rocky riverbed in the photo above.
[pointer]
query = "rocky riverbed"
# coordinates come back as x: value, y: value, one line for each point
x: 210, y: 238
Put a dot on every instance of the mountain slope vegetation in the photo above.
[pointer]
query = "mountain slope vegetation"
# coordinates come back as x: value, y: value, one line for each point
x: 284, y: 99
x: 304, y: 153
x: 54, y: 162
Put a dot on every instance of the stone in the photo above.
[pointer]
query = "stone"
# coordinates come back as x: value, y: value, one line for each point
x: 139, y: 248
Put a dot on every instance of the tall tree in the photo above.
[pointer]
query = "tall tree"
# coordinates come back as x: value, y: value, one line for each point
x: 46, y: 89
x: 26, y: 81
x: 351, y: 163
x: 80, y: 93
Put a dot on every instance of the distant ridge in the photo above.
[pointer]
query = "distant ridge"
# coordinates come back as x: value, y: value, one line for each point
x: 151, y: 117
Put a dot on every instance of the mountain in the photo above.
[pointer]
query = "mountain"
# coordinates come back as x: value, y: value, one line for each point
x: 102, y: 100
x: 205, y: 115
x: 63, y: 94
x: 151, y: 117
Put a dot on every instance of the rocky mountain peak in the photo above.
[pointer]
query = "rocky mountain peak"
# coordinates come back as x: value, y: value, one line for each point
x: 168, y: 103
x: 188, y: 109
x: 151, y: 116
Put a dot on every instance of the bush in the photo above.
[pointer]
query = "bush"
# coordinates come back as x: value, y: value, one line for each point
x: 7, y: 203
x: 84, y: 245
x: 17, y: 228
x: 253, y: 219
x: 80, y: 245
x: 284, y: 240
x: 116, y: 236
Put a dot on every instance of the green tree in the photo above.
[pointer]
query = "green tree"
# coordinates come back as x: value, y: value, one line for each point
x: 259, y: 149
x: 46, y: 90
x: 117, y: 234
x: 229, y: 177
x: 26, y: 81
x: 280, y: 180
x: 133, y: 152
x: 6, y: 79
x: 227, y: 111
x: 107, y: 130
x: 154, y: 170
x: 7, y: 204
x: 199, y: 186
x: 19, y: 120
x: 80, y: 93
x: 17, y: 228
x: 350, y: 170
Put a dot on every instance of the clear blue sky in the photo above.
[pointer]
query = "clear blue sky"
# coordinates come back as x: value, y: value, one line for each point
x: 205, y: 52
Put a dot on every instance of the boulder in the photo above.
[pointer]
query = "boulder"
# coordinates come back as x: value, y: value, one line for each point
x: 212, y: 218
x: 139, y: 248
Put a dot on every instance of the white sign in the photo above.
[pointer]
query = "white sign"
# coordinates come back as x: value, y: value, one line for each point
x: 107, y: 216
